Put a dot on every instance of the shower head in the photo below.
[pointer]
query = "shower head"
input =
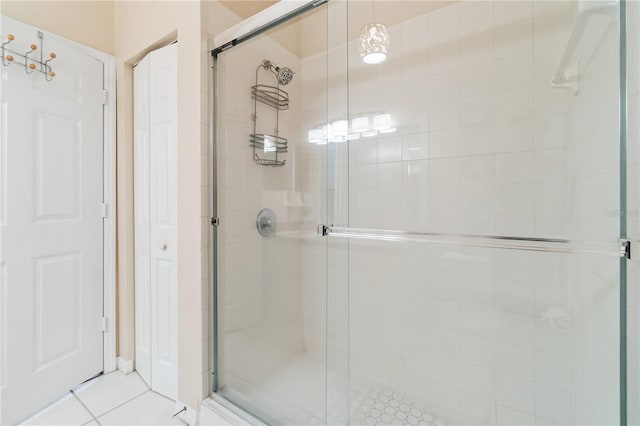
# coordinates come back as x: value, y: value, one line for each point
x: 284, y: 75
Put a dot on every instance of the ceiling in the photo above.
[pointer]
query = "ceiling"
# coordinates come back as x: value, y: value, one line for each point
x: 307, y: 35
x: 247, y: 8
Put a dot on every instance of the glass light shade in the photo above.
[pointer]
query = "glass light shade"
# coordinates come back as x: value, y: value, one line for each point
x: 374, y: 43
x: 360, y: 124
x: 339, y: 128
x: 382, y: 122
x: 315, y: 135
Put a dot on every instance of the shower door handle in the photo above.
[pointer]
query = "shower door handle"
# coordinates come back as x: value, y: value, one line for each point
x: 323, y: 230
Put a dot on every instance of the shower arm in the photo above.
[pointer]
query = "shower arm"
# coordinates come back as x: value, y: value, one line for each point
x: 270, y: 66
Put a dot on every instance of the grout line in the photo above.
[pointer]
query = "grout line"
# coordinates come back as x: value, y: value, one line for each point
x: 84, y: 406
x: 110, y: 410
x: 123, y: 403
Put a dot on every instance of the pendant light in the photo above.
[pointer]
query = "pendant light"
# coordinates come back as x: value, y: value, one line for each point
x: 374, y: 41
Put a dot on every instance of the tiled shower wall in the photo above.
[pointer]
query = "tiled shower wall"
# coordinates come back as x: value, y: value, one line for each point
x: 259, y: 279
x: 486, y: 146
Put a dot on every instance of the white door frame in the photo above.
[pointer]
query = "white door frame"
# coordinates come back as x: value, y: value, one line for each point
x: 109, y: 196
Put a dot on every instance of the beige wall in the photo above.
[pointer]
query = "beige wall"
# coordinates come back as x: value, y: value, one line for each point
x: 84, y: 21
x: 141, y: 26
x: 129, y: 30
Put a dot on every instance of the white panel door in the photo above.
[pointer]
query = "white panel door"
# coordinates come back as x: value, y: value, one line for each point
x: 163, y: 108
x: 156, y: 215
x: 52, y: 226
x: 142, y: 220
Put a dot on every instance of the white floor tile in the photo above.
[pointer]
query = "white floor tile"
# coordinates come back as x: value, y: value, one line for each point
x: 92, y: 423
x: 147, y: 409
x: 109, y: 391
x: 67, y: 411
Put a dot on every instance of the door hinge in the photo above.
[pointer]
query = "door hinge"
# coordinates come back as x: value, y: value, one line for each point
x: 104, y: 323
x: 105, y: 96
x: 625, y: 249
x: 215, y: 221
x: 323, y: 230
x: 104, y: 210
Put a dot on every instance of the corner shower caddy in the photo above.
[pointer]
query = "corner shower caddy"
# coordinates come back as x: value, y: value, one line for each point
x: 276, y: 98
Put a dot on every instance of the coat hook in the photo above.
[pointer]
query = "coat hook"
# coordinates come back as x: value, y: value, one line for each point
x: 48, y: 72
x: 28, y: 66
x: 5, y: 58
x: 52, y: 56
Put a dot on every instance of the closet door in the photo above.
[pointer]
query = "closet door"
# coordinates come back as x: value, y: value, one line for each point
x: 142, y: 206
x: 163, y: 226
x: 156, y: 215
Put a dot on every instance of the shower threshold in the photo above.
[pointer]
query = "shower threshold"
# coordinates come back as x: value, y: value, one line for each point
x: 368, y: 404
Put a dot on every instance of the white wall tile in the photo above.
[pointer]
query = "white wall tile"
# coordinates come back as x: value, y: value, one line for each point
x: 514, y: 199
x: 478, y: 351
x: 444, y: 57
x: 515, y: 168
x: 444, y: 171
x: 479, y: 169
x: 475, y: 17
x: 389, y: 149
x: 514, y: 104
x: 516, y: 361
x: 444, y: 115
x: 514, y: 135
x: 390, y: 175
x: 415, y: 146
x: 513, y: 71
x: 553, y: 370
x: 476, y: 80
x: 514, y: 39
x: 512, y: 12
x: 476, y: 110
x: 515, y: 296
x: 478, y: 49
x: 444, y: 86
x: 516, y: 393
x: 444, y: 199
x: 553, y: 405
x: 476, y: 140
x: 444, y: 24
x: 478, y: 200
x: 509, y: 417
x: 444, y: 143
x: 516, y: 328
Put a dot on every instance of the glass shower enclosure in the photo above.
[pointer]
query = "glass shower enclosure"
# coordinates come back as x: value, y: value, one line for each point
x: 444, y: 237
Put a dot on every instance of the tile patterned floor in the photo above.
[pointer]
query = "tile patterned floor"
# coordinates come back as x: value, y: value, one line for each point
x: 110, y: 399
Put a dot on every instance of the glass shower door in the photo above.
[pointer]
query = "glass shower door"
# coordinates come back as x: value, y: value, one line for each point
x: 281, y: 338
x: 485, y: 212
x: 447, y: 222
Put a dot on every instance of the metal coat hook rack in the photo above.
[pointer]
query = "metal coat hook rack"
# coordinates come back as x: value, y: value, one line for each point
x: 28, y: 59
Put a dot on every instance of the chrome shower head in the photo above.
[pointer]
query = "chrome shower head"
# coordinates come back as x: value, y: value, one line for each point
x: 285, y: 75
